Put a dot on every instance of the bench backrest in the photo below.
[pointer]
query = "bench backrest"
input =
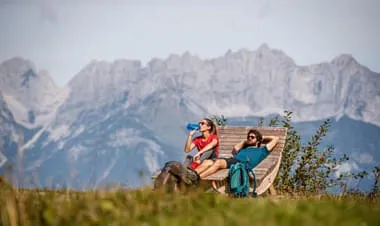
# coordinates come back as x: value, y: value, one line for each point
x: 231, y: 135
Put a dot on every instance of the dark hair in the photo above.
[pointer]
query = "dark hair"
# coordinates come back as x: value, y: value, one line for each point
x: 259, y: 138
x: 213, y: 128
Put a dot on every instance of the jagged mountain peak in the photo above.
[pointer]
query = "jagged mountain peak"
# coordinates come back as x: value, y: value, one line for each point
x: 28, y: 91
x: 100, y: 71
x: 18, y: 73
x: 262, y: 53
x: 344, y: 60
x: 181, y: 62
x: 17, y: 65
x: 263, y: 47
x: 273, y: 54
x: 103, y: 65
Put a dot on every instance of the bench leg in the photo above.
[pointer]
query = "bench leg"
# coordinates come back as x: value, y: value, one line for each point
x: 219, y: 186
x: 272, y: 191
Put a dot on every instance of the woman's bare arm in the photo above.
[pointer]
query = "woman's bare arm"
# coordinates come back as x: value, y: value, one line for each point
x: 189, y: 144
x: 209, y: 146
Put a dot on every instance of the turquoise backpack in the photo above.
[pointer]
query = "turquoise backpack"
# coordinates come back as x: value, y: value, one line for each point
x: 239, y: 180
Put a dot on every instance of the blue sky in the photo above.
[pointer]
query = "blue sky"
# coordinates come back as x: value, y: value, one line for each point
x: 64, y: 36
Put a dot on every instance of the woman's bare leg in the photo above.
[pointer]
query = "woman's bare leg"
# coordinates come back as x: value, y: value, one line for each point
x: 219, y: 164
x: 203, y: 166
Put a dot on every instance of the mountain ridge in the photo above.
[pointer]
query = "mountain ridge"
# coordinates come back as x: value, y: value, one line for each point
x: 263, y: 66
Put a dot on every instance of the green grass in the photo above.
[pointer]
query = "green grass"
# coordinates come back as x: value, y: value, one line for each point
x: 146, y: 207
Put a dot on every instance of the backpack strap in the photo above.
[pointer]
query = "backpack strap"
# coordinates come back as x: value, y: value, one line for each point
x: 254, y: 194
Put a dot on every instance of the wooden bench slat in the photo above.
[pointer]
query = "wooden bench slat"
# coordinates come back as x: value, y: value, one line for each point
x: 229, y: 147
x: 241, y: 137
x: 229, y: 151
x: 219, y: 175
x: 243, y: 134
x: 242, y: 130
x: 231, y: 144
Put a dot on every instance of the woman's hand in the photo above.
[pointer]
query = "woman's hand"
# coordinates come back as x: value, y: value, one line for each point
x: 192, y: 132
x: 197, y: 157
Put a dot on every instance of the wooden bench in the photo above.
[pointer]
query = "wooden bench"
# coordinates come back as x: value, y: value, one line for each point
x: 265, y: 172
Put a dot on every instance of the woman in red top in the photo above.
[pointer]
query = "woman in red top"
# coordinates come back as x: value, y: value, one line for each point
x: 207, y: 143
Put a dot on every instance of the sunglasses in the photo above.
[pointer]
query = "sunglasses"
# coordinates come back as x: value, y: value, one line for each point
x: 202, y: 123
x: 251, y: 137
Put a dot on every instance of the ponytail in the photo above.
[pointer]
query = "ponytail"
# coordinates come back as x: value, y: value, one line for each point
x: 213, y: 126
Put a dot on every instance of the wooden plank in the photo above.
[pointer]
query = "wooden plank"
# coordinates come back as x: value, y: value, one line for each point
x: 242, y: 133
x: 240, y: 128
x: 219, y: 175
x: 268, y: 163
x: 233, y: 138
x: 271, y: 158
x: 260, y: 172
x: 259, y: 177
x: 228, y: 151
x: 229, y: 146
x: 225, y: 154
x: 275, y: 153
x: 272, y: 191
x: 234, y: 142
x: 272, y: 155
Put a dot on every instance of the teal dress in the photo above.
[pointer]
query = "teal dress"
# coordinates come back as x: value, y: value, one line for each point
x: 252, y: 155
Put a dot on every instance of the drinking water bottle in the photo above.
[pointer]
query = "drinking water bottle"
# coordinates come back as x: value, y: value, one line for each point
x: 192, y: 126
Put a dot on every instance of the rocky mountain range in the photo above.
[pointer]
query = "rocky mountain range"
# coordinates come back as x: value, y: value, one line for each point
x: 115, y: 121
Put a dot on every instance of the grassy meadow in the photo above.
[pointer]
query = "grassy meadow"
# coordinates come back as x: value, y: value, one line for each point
x: 146, y: 207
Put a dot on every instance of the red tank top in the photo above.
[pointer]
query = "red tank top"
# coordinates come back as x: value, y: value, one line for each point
x: 199, y: 143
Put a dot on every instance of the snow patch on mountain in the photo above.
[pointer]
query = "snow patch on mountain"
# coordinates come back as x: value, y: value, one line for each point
x: 130, y: 136
x: 76, y: 151
x: 79, y: 131
x: 3, y: 159
x: 31, y: 95
x: 231, y: 111
x: 107, y: 170
x: 19, y: 111
x: 151, y: 161
x: 59, y: 132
